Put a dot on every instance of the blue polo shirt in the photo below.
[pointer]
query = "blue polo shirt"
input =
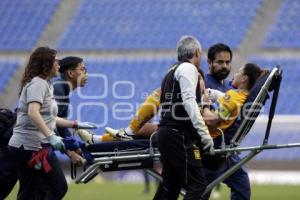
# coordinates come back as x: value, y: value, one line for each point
x: 61, y: 95
x: 211, y: 82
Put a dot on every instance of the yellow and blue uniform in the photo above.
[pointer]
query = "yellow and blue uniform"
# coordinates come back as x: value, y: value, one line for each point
x: 228, y: 107
x: 148, y: 109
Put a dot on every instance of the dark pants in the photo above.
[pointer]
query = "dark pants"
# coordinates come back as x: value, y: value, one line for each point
x: 182, y: 166
x: 238, y: 182
x: 54, y: 181
x: 8, y: 174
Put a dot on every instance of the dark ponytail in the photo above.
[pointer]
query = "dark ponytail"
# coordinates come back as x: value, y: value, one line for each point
x: 254, y: 72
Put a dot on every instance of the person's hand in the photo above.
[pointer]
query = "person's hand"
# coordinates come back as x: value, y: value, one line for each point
x: 76, y: 158
x: 85, y: 125
x: 213, y: 95
x: 118, y: 134
x: 206, y: 98
x: 208, y: 143
x: 84, y: 135
x: 56, y: 142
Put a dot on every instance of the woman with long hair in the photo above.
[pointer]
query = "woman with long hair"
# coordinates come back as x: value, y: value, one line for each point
x: 221, y: 115
x: 227, y: 107
x: 33, y: 141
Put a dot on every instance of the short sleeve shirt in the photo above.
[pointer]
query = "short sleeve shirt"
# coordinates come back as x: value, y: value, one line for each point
x: 25, y: 132
x: 228, y: 107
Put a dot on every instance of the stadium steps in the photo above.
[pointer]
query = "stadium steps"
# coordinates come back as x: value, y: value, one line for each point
x: 23, y: 22
x: 60, y: 20
x: 9, y: 95
x: 256, y: 34
x: 284, y: 32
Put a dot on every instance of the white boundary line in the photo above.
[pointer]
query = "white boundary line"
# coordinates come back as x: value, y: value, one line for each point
x: 274, y: 177
x: 280, y: 119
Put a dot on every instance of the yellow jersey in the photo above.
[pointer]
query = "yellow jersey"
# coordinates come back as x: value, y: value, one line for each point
x: 228, y: 107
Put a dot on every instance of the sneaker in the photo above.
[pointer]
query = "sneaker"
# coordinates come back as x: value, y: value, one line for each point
x: 85, y: 136
x: 118, y: 134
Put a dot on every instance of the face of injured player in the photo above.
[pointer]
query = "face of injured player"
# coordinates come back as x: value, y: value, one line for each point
x: 220, y: 67
x: 239, y: 78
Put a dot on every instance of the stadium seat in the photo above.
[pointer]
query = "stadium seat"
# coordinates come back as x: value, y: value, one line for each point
x: 23, y: 22
x: 157, y: 24
x: 7, y: 70
x: 284, y: 33
x: 289, y: 94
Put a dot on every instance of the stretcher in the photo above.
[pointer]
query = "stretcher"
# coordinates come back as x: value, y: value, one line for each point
x: 142, y: 154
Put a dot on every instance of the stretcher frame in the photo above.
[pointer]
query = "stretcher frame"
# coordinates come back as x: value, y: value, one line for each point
x: 134, y: 158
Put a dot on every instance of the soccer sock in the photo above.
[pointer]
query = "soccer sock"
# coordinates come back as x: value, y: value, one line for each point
x: 147, y: 110
x: 105, y: 138
x: 129, y: 131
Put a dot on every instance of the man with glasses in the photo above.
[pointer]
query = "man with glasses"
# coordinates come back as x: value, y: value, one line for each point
x: 73, y: 74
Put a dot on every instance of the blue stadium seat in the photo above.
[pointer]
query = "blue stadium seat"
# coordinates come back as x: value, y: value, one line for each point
x: 288, y: 101
x: 285, y: 32
x: 157, y: 24
x: 7, y: 70
x: 23, y: 22
x: 279, y: 135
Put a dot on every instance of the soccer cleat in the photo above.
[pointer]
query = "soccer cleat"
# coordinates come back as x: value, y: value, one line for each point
x: 85, y: 136
x: 118, y: 134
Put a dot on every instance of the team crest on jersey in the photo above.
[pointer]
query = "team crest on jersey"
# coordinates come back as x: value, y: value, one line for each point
x: 220, y: 110
x: 197, y: 154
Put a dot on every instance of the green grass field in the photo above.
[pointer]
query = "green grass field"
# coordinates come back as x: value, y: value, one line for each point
x: 125, y: 191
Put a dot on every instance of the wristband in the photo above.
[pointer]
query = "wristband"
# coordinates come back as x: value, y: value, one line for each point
x: 75, y: 124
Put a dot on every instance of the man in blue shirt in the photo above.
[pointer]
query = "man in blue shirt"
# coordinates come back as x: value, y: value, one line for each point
x: 73, y: 74
x: 219, y: 60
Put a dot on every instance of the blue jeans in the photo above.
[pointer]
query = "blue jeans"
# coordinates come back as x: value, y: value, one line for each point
x: 238, y: 182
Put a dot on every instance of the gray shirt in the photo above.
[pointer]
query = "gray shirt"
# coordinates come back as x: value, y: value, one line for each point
x: 25, y: 132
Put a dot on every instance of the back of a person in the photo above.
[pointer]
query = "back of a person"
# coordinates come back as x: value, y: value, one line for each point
x: 173, y: 112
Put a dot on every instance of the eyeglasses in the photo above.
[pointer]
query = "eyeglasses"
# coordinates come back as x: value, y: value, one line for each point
x: 83, y: 69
